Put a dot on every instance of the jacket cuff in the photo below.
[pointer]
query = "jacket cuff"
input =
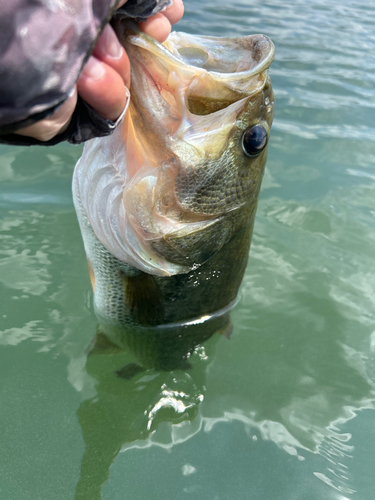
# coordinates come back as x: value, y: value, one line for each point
x: 86, y: 124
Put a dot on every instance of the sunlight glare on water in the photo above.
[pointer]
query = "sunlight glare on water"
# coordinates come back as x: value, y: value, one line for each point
x: 285, y: 408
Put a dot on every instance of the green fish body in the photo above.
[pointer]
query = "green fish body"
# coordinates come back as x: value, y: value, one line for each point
x: 166, y: 204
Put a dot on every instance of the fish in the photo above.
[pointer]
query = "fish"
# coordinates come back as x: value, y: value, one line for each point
x: 166, y: 204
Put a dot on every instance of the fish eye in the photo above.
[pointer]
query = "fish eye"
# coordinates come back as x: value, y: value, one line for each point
x: 254, y: 140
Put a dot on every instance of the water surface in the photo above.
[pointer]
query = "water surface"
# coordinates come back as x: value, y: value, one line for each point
x: 285, y: 408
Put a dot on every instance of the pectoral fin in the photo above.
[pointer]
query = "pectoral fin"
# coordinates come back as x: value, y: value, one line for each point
x: 143, y: 299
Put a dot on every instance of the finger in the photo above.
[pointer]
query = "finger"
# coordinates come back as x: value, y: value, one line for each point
x: 174, y: 12
x: 102, y: 88
x: 157, y: 26
x: 55, y: 124
x: 109, y: 50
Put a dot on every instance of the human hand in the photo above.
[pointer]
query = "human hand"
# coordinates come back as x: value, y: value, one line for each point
x: 107, y: 68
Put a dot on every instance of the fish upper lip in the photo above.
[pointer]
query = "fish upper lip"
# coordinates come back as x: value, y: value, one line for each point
x: 133, y: 35
x: 259, y: 68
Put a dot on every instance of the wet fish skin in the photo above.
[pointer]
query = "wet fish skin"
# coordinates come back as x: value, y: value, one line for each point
x: 171, y: 216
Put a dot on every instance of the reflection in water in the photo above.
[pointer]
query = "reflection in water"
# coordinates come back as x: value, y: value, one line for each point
x: 142, y: 377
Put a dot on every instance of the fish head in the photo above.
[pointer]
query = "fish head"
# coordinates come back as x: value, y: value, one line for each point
x: 192, y: 148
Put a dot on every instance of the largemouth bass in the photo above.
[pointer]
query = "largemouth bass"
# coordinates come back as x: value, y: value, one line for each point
x: 166, y: 204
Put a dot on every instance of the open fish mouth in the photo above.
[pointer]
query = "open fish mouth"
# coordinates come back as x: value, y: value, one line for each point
x: 210, y: 72
x: 178, y: 178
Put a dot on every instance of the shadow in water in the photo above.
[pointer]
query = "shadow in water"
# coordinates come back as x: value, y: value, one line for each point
x: 144, y: 376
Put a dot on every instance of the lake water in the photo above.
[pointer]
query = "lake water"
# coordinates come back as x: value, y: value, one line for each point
x: 282, y: 410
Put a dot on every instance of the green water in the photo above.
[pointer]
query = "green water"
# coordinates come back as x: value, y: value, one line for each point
x: 282, y: 410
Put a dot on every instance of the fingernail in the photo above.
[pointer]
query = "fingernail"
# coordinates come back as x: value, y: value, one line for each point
x: 111, y: 44
x: 94, y: 68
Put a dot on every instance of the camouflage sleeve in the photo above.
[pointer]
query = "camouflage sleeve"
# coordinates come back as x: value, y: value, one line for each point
x: 43, y: 47
x: 143, y: 9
